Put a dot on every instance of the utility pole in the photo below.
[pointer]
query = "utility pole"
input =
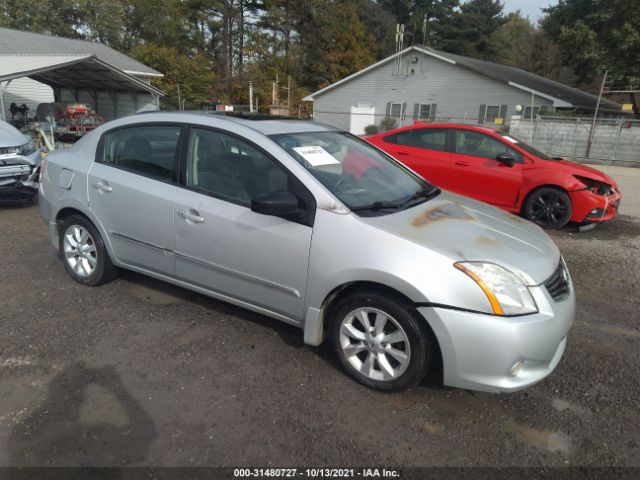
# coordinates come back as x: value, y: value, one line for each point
x: 425, y: 19
x: 289, y: 95
x: 250, y: 96
x: 533, y: 108
x: 273, y: 93
x: 595, y: 115
x: 179, y: 101
x: 277, y: 101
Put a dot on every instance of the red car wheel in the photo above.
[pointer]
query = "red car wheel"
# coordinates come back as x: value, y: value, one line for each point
x: 548, y: 207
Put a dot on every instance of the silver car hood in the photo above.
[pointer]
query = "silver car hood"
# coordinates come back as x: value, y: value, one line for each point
x: 464, y: 229
x: 10, y: 136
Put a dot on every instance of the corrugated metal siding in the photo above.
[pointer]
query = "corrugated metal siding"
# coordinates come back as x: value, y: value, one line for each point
x: 125, y: 103
x: 457, y: 92
x: 30, y: 92
x: 33, y: 93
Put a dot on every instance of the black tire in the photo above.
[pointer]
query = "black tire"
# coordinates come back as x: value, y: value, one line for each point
x: 104, y: 271
x: 548, y: 207
x: 420, y: 339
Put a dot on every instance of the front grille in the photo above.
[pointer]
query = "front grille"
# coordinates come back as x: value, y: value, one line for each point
x: 557, y: 284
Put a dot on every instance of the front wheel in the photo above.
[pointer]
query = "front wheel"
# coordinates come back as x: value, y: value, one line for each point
x: 548, y: 207
x: 380, y: 342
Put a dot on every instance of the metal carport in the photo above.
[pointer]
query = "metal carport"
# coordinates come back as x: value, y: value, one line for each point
x: 81, y: 78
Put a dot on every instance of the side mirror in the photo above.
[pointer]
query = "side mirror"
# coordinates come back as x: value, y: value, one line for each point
x: 275, y: 203
x: 505, y: 159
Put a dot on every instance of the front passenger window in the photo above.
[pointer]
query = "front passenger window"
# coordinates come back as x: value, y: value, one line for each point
x: 478, y: 144
x: 229, y: 168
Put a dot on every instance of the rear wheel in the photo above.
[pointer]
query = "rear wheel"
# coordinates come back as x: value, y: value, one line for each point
x: 549, y: 207
x: 83, y: 252
x: 380, y: 342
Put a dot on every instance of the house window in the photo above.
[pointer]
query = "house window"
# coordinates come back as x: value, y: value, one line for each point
x: 527, y: 112
x: 396, y: 110
x: 492, y: 114
x: 425, y: 111
x: 493, y: 111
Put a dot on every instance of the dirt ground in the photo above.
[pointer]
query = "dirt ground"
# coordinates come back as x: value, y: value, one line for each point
x: 140, y: 372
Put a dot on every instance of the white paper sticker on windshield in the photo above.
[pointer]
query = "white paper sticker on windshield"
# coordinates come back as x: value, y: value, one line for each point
x: 316, y: 155
x: 510, y: 139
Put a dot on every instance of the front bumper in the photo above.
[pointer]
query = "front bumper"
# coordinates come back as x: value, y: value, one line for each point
x: 589, y: 207
x: 19, y: 175
x: 502, y: 354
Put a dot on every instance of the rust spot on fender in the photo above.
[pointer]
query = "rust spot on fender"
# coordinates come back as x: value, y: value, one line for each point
x: 448, y: 211
x: 488, y: 241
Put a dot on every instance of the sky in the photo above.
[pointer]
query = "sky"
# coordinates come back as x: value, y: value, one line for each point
x: 530, y: 8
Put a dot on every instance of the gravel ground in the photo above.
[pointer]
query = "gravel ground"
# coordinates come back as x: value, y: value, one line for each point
x: 141, y: 372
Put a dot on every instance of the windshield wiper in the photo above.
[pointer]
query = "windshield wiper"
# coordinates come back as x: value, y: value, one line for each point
x: 424, y: 193
x: 378, y: 205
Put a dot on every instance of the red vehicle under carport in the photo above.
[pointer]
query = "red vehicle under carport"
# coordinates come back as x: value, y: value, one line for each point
x: 502, y: 170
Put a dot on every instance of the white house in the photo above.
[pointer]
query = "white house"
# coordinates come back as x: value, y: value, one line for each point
x: 428, y: 85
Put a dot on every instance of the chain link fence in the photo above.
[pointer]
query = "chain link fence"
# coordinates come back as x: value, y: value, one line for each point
x: 612, y: 141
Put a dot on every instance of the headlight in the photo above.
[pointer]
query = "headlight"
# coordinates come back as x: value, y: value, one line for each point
x: 599, y: 188
x: 28, y: 148
x: 507, y: 294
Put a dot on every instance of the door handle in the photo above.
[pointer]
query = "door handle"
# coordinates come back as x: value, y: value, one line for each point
x: 461, y: 163
x: 404, y: 153
x: 103, y: 186
x: 191, y: 215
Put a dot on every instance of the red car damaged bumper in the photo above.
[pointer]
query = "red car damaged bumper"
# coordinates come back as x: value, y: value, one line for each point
x: 590, y: 207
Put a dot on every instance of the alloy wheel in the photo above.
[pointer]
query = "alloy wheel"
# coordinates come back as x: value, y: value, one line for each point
x: 375, y: 344
x: 80, y: 250
x: 549, y: 209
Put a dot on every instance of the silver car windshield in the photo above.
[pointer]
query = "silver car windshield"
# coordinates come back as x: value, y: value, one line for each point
x: 364, y: 179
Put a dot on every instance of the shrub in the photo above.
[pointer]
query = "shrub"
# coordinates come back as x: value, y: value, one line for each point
x: 371, y: 130
x: 388, y: 123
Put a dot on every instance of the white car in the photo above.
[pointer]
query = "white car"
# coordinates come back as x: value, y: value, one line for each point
x: 19, y: 163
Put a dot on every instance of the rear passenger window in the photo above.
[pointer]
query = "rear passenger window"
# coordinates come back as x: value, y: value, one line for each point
x: 148, y: 150
x: 430, y: 138
x: 400, y: 138
x: 231, y: 169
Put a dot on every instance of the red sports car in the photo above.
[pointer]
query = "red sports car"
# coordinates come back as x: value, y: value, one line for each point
x: 504, y: 171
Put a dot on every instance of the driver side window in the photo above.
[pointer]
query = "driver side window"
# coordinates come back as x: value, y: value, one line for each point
x: 478, y: 144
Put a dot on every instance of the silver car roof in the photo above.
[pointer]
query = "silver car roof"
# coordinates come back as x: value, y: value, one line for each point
x: 264, y: 124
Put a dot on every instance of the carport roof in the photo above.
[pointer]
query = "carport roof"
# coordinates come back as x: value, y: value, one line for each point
x: 18, y: 42
x: 84, y: 71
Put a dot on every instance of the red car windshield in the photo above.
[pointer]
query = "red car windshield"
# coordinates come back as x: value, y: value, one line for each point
x: 525, y: 146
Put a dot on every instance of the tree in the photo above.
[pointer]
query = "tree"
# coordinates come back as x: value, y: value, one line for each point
x: 522, y: 44
x: 43, y: 16
x: 334, y: 41
x: 191, y: 74
x: 471, y: 30
x: 596, y: 35
x: 412, y: 14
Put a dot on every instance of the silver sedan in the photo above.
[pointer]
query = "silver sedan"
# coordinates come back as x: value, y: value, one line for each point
x: 315, y: 227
